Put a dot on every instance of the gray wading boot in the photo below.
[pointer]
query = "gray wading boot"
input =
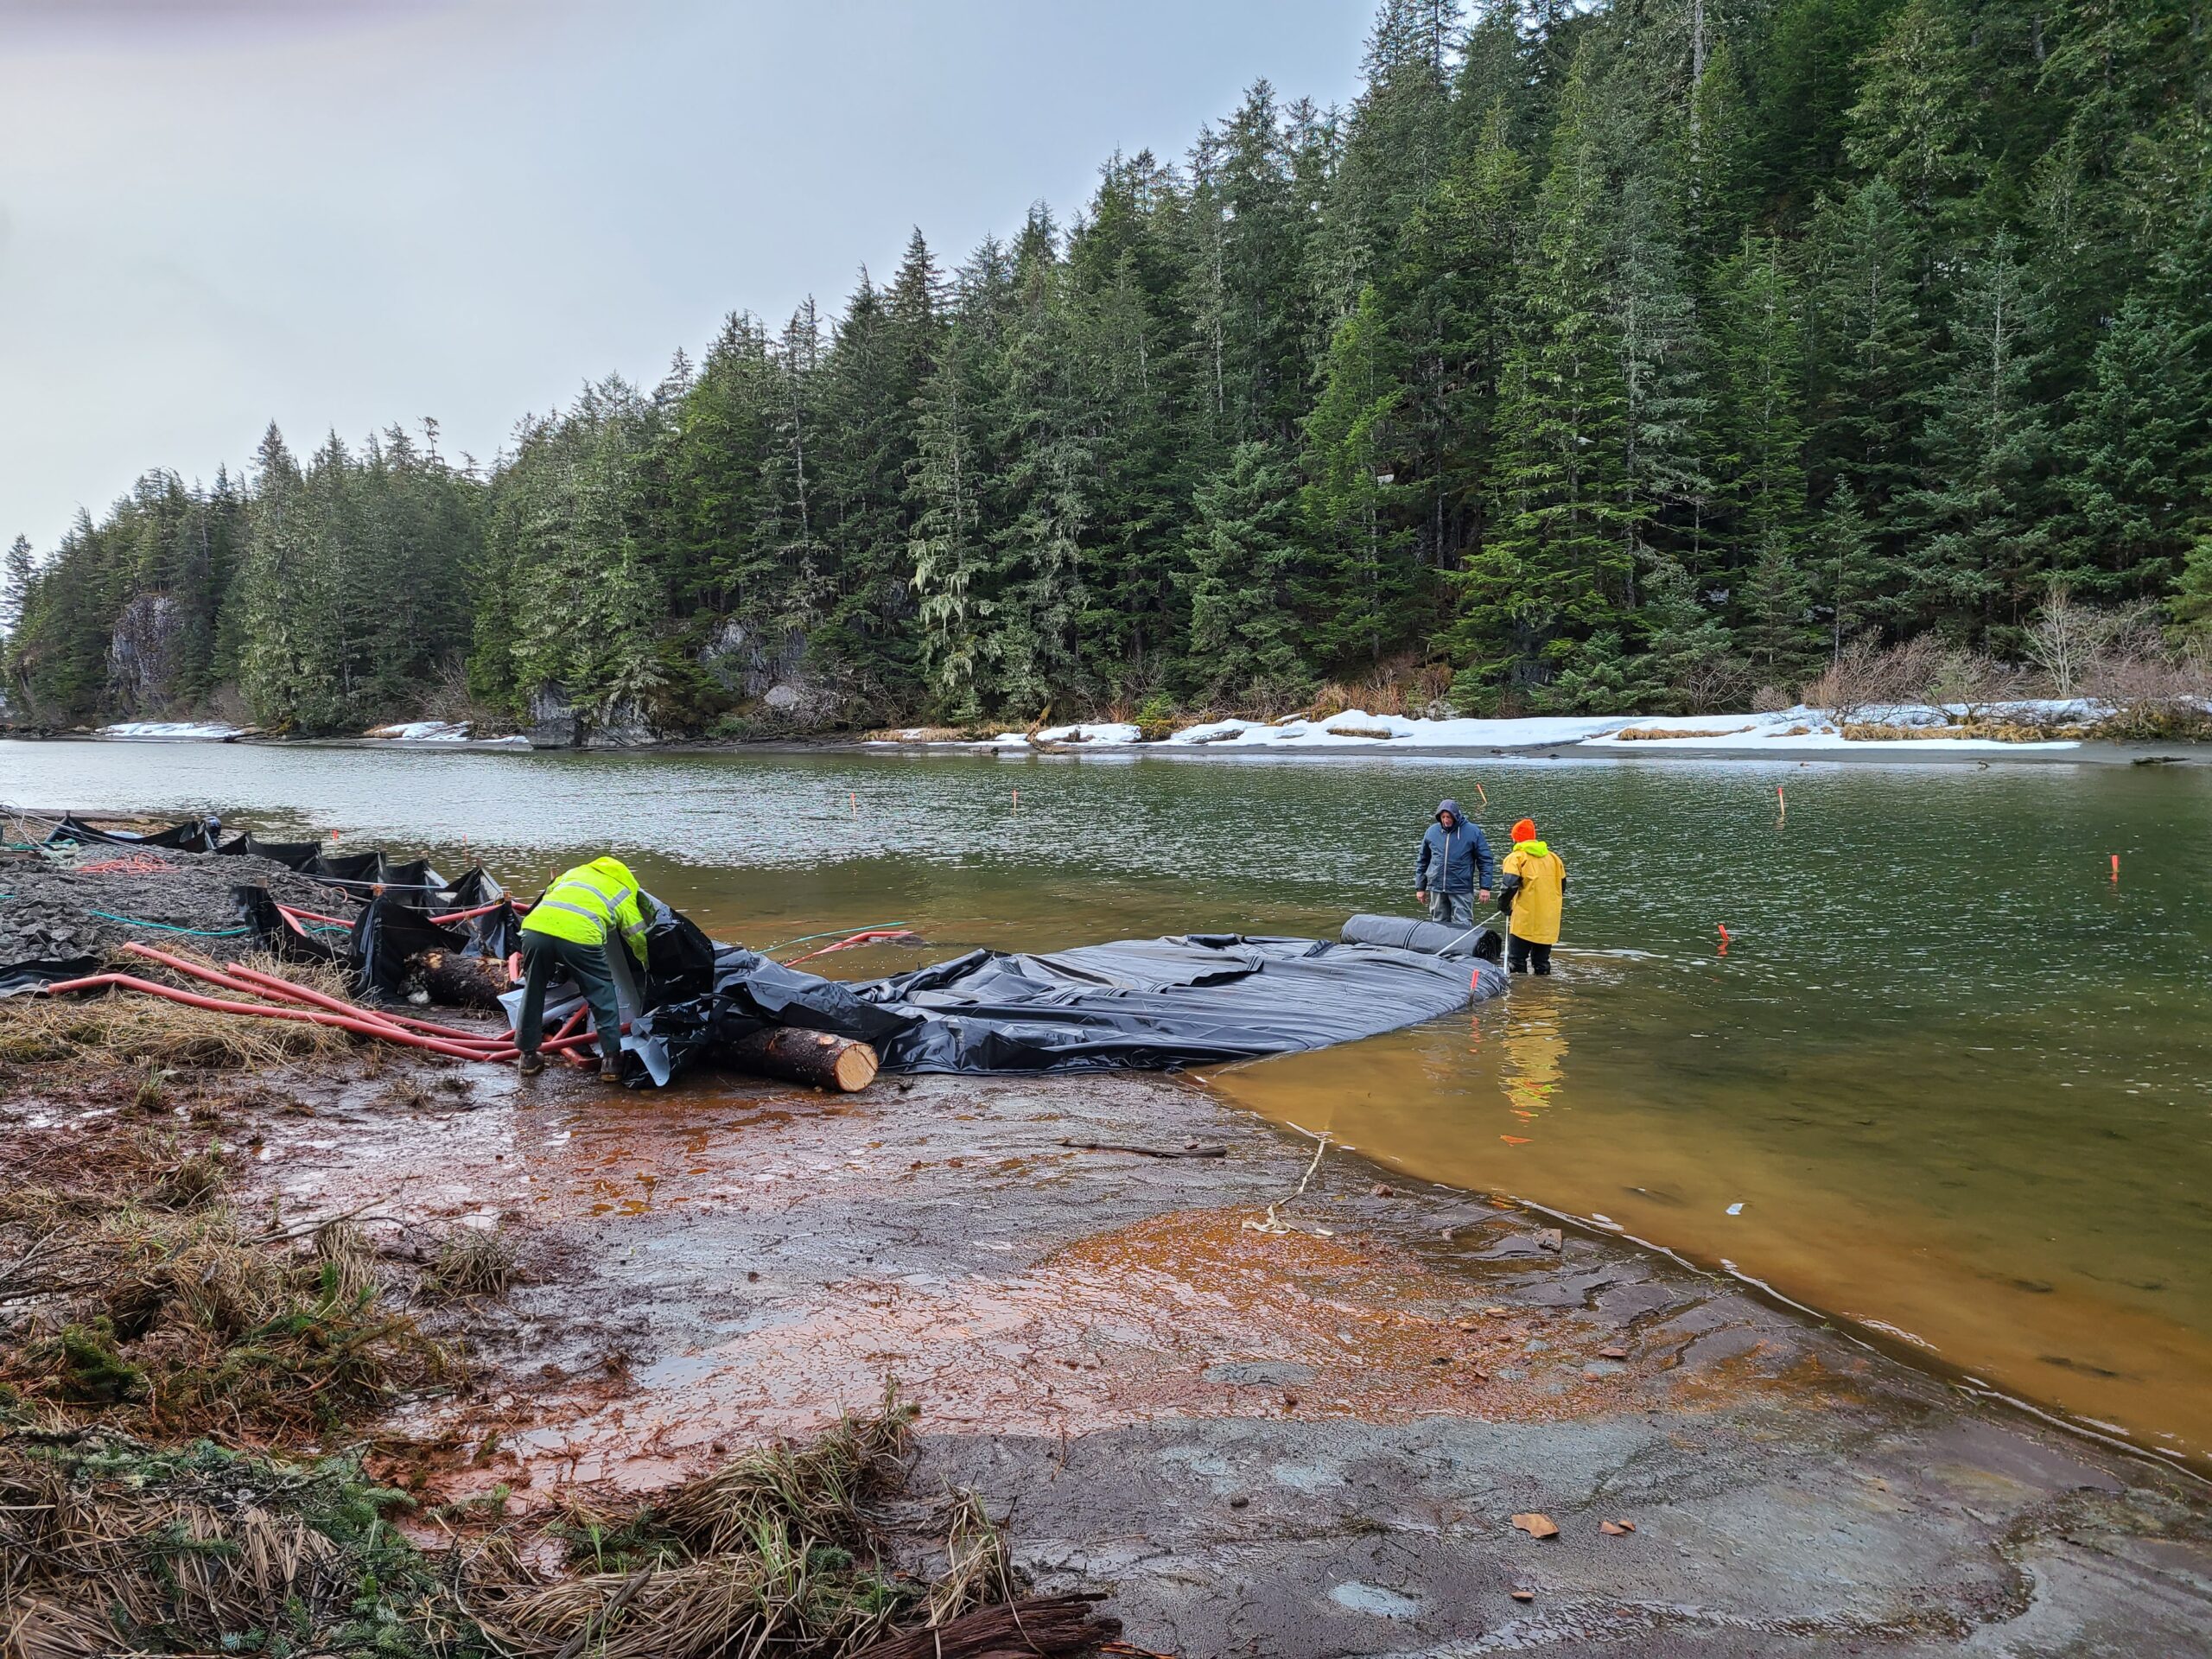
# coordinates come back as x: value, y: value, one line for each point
x: 531, y: 1065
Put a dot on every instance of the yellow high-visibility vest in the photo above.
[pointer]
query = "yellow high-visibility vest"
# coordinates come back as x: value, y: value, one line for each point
x: 590, y: 902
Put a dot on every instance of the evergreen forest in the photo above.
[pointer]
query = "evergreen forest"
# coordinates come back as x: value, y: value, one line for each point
x: 1644, y: 355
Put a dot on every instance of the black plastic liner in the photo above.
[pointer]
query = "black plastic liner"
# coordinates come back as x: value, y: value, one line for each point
x: 16, y: 977
x: 189, y: 837
x: 358, y: 871
x: 1154, y: 1004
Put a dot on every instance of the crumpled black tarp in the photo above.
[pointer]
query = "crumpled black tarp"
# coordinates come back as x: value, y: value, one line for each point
x: 42, y: 971
x: 188, y: 837
x: 1158, y: 1004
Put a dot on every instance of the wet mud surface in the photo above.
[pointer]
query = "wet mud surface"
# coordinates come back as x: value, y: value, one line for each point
x: 1295, y: 1431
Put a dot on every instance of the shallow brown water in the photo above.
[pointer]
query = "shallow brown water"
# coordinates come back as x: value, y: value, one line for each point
x: 1955, y: 1076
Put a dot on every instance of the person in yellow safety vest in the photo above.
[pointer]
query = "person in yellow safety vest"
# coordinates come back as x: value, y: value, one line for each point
x: 566, y: 931
x: 1537, y: 896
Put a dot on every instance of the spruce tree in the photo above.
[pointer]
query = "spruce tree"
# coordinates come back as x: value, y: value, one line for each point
x: 1913, y: 124
x: 1362, y: 593
x: 1983, y: 532
x: 1689, y: 664
x: 1557, y: 568
x: 1246, y: 559
x: 1871, y: 346
x: 1759, y: 364
x: 948, y: 553
x: 2141, y: 425
x: 16, y: 578
x: 1853, y: 580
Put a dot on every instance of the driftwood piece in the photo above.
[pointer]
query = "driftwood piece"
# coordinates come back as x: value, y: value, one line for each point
x: 459, y: 981
x: 1191, y: 1150
x: 818, y: 1058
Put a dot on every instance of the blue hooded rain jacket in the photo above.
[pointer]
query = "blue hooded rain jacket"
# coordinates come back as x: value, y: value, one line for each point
x: 1453, y: 861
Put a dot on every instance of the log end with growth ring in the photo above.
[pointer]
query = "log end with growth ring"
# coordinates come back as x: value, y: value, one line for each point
x: 818, y: 1058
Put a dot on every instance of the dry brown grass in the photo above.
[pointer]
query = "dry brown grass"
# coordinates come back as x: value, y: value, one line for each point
x: 934, y: 733
x: 473, y: 1262
x: 1654, y: 734
x: 770, y: 1553
x: 1994, y: 731
x: 109, y: 1546
x: 409, y: 1093
x: 127, y: 1029
x: 1403, y: 686
x: 131, y: 1028
x: 189, y: 1319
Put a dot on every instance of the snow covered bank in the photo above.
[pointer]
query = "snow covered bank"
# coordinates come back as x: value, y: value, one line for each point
x: 1912, y: 729
x: 442, y: 731
x: 422, y: 731
x: 1922, y: 729
x: 175, y: 731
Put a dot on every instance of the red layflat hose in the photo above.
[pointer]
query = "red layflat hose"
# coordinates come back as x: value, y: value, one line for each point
x: 864, y: 937
x: 522, y: 909
x: 255, y: 982
x: 314, y: 1007
x: 297, y: 914
x: 318, y: 1008
x: 313, y: 1016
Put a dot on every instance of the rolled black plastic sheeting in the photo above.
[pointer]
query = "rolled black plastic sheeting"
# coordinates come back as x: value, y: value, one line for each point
x: 1430, y: 939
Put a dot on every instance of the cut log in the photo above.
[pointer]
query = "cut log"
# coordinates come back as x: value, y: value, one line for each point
x: 811, y: 1056
x: 458, y: 981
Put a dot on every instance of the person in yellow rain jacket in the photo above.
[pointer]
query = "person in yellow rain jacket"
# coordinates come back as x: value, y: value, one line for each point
x: 568, y: 930
x: 1537, y: 896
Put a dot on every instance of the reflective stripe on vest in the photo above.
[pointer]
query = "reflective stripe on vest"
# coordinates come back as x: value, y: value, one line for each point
x: 603, y: 919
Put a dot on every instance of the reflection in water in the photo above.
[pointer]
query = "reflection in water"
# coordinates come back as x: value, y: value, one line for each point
x: 1535, y: 1051
x: 1948, y: 1077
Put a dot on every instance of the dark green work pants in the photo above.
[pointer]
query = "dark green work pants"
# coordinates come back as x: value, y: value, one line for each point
x: 543, y: 956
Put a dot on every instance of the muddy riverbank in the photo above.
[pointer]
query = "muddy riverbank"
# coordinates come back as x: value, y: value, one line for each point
x: 1263, y: 1423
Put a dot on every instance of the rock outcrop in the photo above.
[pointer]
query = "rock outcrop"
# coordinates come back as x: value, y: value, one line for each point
x: 557, y: 722
x: 145, y: 654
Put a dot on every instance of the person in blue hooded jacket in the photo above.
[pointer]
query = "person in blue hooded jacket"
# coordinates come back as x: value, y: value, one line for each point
x: 1453, y: 868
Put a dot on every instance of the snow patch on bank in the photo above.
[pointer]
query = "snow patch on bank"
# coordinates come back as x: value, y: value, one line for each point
x: 1810, y: 728
x: 423, y: 731
x: 175, y: 731
x: 443, y: 731
x: 1800, y: 728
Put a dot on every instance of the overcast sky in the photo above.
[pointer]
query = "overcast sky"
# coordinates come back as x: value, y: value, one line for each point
x: 345, y: 214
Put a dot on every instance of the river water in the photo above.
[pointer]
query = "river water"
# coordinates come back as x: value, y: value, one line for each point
x: 1950, y: 1078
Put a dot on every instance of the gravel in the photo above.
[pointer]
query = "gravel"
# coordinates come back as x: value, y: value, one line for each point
x: 47, y: 903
